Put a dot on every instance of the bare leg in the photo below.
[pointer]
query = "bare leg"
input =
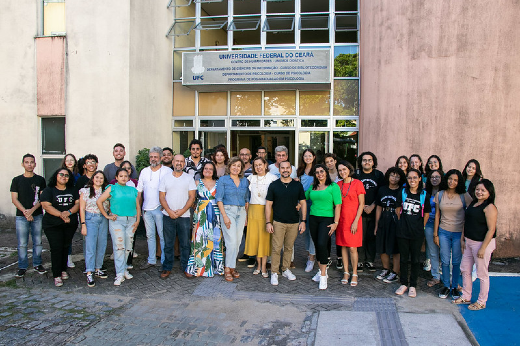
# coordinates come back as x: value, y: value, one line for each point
x: 344, y: 258
x: 353, y: 259
x: 386, y: 261
x: 397, y: 263
x: 323, y: 269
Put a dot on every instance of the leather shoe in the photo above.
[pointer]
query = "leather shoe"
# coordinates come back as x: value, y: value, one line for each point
x: 188, y: 275
x: 165, y: 274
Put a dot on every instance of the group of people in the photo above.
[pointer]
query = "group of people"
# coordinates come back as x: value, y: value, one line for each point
x: 208, y: 204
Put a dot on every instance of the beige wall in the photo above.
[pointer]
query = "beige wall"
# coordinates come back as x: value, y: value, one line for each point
x: 19, y: 130
x: 443, y: 77
x: 50, y: 68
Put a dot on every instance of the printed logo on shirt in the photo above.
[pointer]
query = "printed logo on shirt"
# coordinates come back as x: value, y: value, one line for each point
x: 411, y: 207
x: 369, y: 184
x: 389, y: 201
x: 36, y: 190
x: 64, y: 200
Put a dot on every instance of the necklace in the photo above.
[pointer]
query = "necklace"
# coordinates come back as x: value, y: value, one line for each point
x: 350, y: 183
x: 286, y: 184
x: 257, y: 187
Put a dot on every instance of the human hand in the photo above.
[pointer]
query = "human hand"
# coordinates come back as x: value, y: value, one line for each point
x: 84, y: 230
x: 353, y: 228
x: 227, y: 222
x: 332, y: 227
x: 301, y: 227
x: 269, y: 228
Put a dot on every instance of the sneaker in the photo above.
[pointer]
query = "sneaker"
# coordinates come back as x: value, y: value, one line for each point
x: 243, y: 258
x: 323, y: 283
x: 40, y: 269
x: 360, y: 267
x: 70, y: 264
x: 58, y: 282
x: 427, y: 266
x: 145, y: 266
x: 101, y: 274
x: 64, y: 275
x: 251, y: 262
x: 20, y: 273
x: 329, y: 263
x: 455, y: 293
x: 444, y: 293
x: 316, y: 278
x: 90, y: 280
x: 274, y: 279
x: 129, y: 266
x: 128, y: 276
x: 118, y: 280
x: 383, y: 274
x: 289, y: 275
x: 370, y: 266
x: 392, y: 277
x: 135, y: 255
x: 309, y: 266
x: 339, y: 263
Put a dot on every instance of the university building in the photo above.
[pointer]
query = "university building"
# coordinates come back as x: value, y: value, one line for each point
x: 342, y: 76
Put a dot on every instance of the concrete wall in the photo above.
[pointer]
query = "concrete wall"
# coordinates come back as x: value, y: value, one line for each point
x: 50, y: 69
x: 20, y: 130
x: 443, y: 77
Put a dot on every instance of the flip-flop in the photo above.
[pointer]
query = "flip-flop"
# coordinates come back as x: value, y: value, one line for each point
x: 460, y: 301
x: 265, y: 275
x: 352, y: 282
x: 345, y: 281
x: 256, y: 272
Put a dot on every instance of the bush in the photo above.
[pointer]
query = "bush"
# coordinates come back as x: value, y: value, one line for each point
x: 142, y: 159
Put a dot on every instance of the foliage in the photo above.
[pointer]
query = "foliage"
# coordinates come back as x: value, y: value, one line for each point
x: 142, y: 159
x: 187, y: 153
x: 346, y: 65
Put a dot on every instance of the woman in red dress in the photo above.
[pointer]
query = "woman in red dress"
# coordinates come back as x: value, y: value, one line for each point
x: 349, y: 233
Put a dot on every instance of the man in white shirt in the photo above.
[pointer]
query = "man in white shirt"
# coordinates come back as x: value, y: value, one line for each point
x: 148, y: 194
x: 281, y: 154
x: 176, y: 194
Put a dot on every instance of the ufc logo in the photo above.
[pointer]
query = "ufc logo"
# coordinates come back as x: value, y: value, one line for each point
x: 411, y: 208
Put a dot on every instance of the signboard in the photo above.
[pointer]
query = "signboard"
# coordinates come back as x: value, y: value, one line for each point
x: 301, y: 68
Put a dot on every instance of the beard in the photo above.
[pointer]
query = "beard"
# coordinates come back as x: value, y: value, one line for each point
x: 154, y: 164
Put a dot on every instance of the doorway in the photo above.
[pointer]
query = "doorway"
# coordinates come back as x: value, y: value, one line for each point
x: 268, y: 139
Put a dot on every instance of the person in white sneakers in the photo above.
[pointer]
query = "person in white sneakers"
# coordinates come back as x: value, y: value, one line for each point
x: 283, y: 197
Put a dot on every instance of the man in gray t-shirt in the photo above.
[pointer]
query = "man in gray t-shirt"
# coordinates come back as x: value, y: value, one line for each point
x: 119, y: 156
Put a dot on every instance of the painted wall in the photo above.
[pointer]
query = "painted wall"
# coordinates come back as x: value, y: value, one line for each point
x: 19, y: 132
x: 442, y: 77
x: 50, y: 68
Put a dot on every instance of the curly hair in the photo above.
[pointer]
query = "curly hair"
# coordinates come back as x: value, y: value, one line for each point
x: 460, y: 189
x: 53, y: 180
x: 302, y: 164
x: 395, y: 170
x: 360, y: 159
x: 223, y: 151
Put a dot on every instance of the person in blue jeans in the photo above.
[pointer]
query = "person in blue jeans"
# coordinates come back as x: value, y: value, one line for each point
x: 433, y: 182
x: 25, y: 195
x: 451, y: 203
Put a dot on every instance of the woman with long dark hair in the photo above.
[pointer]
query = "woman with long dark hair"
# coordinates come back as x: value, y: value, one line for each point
x: 403, y: 163
x: 472, y: 175
x: 478, y: 243
x: 305, y: 173
x: 433, y: 183
x: 70, y: 162
x: 434, y: 162
x: 60, y: 201
x: 220, y: 158
x: 127, y: 166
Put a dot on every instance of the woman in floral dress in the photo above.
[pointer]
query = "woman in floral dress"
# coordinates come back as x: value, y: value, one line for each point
x: 206, y: 257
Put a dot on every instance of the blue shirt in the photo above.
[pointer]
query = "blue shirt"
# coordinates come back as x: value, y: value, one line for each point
x: 229, y: 194
x: 306, y: 181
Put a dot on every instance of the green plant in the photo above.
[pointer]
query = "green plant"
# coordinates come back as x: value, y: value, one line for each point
x: 187, y: 153
x: 142, y: 160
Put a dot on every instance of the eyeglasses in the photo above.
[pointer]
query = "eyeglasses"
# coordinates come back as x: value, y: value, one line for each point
x: 244, y: 154
x: 413, y: 178
x: 435, y: 178
x: 90, y: 162
x: 321, y: 171
x: 65, y: 175
x: 128, y: 168
x: 367, y: 160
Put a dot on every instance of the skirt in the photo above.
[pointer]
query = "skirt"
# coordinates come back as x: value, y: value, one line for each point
x: 258, y: 240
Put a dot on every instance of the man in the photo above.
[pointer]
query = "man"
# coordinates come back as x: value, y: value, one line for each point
x: 89, y: 168
x: 167, y: 157
x: 245, y: 156
x: 193, y: 164
x: 262, y: 152
x: 148, y: 195
x: 176, y: 194
x: 119, y: 156
x: 283, y: 197
x: 372, y: 179
x: 330, y: 162
x: 25, y: 195
x: 281, y: 154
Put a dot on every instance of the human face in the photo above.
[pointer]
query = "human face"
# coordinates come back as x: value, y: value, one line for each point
x: 155, y: 159
x: 219, y: 157
x: 195, y: 151
x: 28, y: 164
x: 235, y: 168
x: 207, y: 172
x: 415, y: 162
x: 367, y: 162
x: 281, y: 156
x: 433, y: 163
x: 69, y: 162
x: 320, y: 174
x: 285, y: 169
x: 245, y: 155
x: 481, y: 192
x: 261, y: 153
x: 393, y: 179
x: 127, y: 168
x: 343, y: 171
x: 308, y: 158
x: 330, y: 163
x: 453, y: 181
x: 435, y: 179
x: 98, y: 180
x: 62, y: 178
x: 167, y: 157
x: 90, y: 165
x: 178, y: 162
x: 122, y: 178
x: 403, y: 164
x: 413, y: 179
x: 119, y: 153
x: 471, y: 170
x: 260, y: 167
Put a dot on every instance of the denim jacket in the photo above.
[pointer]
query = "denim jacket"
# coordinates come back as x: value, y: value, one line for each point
x: 229, y: 194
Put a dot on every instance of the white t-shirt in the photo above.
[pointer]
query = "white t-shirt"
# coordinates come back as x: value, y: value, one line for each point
x: 258, y: 187
x: 177, y: 191
x: 148, y: 184
x: 274, y: 170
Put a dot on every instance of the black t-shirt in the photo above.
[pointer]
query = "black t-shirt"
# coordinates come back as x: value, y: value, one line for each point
x: 29, y: 190
x: 372, y: 182
x: 61, y: 200
x: 81, y: 182
x: 386, y: 197
x: 285, y: 198
x: 475, y: 222
x: 411, y: 223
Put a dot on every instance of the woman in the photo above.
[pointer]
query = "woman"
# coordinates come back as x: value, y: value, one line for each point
x: 386, y: 224
x: 60, y: 202
x: 127, y: 166
x: 70, y: 162
x: 417, y: 163
x: 434, y: 162
x: 221, y: 159
x: 478, y: 243
x: 258, y: 240
x: 403, y: 163
x: 413, y: 210
x: 433, y: 183
x: 451, y: 203
x: 324, y: 217
x: 233, y: 200
x: 207, y: 258
x: 349, y: 233
x: 305, y: 173
x: 94, y: 226
x: 125, y: 213
x: 472, y: 175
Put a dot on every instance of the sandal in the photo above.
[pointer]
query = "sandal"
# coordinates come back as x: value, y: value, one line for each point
x: 433, y: 282
x: 235, y: 273
x: 345, y: 281
x: 353, y: 282
x: 476, y: 306
x: 265, y: 275
x: 256, y: 272
x: 227, y: 274
x: 460, y: 301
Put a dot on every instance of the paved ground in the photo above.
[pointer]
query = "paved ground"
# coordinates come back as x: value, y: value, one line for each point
x: 179, y: 311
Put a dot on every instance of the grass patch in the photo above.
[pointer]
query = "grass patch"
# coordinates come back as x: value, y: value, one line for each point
x: 9, y: 283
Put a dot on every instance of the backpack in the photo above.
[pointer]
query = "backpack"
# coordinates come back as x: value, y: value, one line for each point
x: 422, y: 198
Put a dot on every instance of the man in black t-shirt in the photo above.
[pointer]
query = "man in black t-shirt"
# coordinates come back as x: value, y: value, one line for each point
x: 372, y: 179
x: 25, y: 195
x: 283, y: 197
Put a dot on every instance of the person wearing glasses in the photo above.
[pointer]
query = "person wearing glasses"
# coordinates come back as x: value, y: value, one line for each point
x: 245, y: 156
x: 127, y: 166
x: 61, y: 204
x: 432, y: 250
x: 193, y: 164
x: 70, y: 162
x: 281, y: 154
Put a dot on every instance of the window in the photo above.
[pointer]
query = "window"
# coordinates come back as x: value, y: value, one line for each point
x: 246, y: 6
x: 346, y: 5
x: 246, y: 31
x: 183, y: 100
x: 314, y: 29
x: 246, y: 103
x: 53, y: 136
x: 314, y: 103
x: 280, y: 102
x: 181, y: 140
x: 318, y: 141
x: 213, y: 103
x: 280, y: 6
x: 346, y: 97
x: 346, y: 145
x: 314, y: 6
x: 346, y: 61
x: 54, y: 18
